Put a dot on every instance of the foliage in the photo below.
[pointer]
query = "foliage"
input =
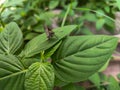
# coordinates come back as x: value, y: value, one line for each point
x: 29, y: 60
x: 87, y: 57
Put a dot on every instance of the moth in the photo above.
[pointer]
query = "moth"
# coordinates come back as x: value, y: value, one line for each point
x: 48, y: 32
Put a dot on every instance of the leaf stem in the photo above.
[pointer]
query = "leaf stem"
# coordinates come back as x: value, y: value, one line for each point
x: 14, y: 74
x: 94, y: 86
x: 42, y: 56
x: 66, y: 14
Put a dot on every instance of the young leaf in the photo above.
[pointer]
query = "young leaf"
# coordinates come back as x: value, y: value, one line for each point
x: 40, y: 76
x: 81, y: 56
x: 12, y: 73
x: 10, y: 39
x: 41, y: 42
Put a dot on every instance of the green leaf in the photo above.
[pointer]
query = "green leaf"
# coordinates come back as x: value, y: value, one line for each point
x: 100, y: 23
x: 10, y: 3
x: 79, y: 57
x: 40, y: 76
x: 12, y: 73
x: 113, y: 84
x: 86, y: 31
x: 90, y: 17
x: 104, y: 66
x: 118, y: 3
x: 59, y: 83
x: 41, y: 42
x: 29, y: 61
x: 95, y: 79
x: 53, y: 4
x: 10, y: 39
x: 30, y: 36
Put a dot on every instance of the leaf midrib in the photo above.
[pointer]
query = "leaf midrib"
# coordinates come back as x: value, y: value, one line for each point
x: 84, y: 49
x: 14, y: 74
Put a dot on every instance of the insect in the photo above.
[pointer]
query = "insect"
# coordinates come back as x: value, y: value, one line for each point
x: 48, y: 32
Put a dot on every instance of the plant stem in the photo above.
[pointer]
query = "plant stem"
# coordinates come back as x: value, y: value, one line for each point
x: 93, y: 86
x: 66, y: 14
x: 42, y: 56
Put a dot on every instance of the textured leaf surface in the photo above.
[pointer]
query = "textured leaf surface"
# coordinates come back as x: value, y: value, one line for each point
x: 40, y: 76
x: 81, y: 56
x: 12, y: 73
x: 41, y: 42
x: 10, y: 39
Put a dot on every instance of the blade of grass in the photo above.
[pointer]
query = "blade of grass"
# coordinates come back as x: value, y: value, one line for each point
x: 66, y: 14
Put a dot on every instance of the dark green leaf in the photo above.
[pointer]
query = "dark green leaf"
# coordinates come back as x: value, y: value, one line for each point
x: 59, y: 83
x: 81, y: 56
x: 12, y: 73
x: 41, y: 42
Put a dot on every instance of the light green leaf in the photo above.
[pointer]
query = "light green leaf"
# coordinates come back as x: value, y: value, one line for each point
x: 40, y: 76
x: 118, y: 3
x: 12, y: 73
x: 81, y: 56
x: 10, y: 3
x: 53, y: 4
x: 41, y: 42
x: 113, y: 84
x: 104, y: 66
x: 100, y: 23
x: 10, y: 39
x: 95, y: 79
x: 72, y: 87
x: 59, y: 83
